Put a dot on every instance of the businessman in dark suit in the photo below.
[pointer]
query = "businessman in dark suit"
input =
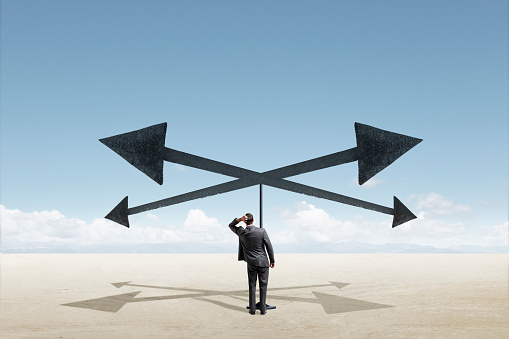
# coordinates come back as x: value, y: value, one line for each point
x: 253, y: 241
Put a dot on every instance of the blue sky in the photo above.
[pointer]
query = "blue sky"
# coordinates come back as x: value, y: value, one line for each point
x: 259, y: 85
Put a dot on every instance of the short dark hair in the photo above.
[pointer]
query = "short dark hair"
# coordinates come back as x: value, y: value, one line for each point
x: 249, y: 219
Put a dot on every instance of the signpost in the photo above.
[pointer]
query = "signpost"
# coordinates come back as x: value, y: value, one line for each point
x: 376, y: 149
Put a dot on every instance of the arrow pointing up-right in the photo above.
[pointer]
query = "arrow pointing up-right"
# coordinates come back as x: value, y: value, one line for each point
x: 379, y: 148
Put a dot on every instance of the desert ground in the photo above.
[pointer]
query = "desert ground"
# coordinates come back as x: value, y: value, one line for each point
x: 205, y: 295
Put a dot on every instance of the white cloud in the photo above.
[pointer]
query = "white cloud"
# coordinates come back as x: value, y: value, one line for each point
x: 51, y: 229
x: 437, y: 205
x: 498, y: 234
x: 307, y: 224
x: 426, y: 224
x: 197, y: 221
x: 440, y: 223
x: 45, y: 226
x: 205, y: 229
x: 152, y: 217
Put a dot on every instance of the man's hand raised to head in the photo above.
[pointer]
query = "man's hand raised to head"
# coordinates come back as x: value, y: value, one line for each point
x: 242, y: 218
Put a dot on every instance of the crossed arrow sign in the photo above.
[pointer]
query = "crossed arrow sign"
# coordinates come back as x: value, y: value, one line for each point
x: 376, y: 149
x: 330, y: 303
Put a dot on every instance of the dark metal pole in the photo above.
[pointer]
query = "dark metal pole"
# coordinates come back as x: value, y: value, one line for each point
x: 261, y: 206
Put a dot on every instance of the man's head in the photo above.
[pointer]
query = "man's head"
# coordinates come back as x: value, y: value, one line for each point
x: 249, y: 219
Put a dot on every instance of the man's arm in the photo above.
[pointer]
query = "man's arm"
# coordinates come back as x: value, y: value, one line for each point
x: 268, y: 246
x: 233, y: 225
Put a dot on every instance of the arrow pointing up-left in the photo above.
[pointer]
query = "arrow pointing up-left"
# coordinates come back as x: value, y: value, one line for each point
x: 142, y: 149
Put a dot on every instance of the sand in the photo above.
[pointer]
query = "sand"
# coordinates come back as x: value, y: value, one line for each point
x: 205, y: 295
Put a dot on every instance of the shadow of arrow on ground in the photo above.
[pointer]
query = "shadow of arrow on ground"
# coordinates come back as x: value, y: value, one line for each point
x: 331, y: 303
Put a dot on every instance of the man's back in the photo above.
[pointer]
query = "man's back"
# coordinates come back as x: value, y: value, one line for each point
x: 253, y: 243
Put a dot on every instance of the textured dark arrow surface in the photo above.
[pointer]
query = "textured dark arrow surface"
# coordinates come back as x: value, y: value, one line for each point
x: 331, y: 303
x: 376, y: 150
x: 142, y: 149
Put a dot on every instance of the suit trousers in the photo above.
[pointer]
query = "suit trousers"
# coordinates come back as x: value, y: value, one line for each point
x: 263, y: 278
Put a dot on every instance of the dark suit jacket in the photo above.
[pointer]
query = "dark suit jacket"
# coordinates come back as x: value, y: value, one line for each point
x: 252, y: 244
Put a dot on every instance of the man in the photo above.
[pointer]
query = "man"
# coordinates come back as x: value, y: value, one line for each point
x: 253, y: 242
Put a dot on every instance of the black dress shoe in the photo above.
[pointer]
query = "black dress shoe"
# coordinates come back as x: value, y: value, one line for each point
x: 267, y: 306
x: 263, y: 313
x: 252, y: 313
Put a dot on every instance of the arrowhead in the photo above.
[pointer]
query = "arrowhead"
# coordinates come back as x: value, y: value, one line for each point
x: 142, y: 149
x: 119, y: 214
x: 401, y: 213
x: 106, y: 304
x: 339, y: 284
x: 379, y: 148
x: 120, y: 284
x: 336, y: 304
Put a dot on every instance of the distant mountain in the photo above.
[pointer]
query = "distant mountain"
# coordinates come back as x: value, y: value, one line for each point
x: 340, y: 247
x: 480, y: 249
x: 360, y: 247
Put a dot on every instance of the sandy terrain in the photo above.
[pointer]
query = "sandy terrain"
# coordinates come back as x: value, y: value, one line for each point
x: 200, y: 295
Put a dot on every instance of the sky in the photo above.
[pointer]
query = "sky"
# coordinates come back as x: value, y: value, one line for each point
x: 259, y: 85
